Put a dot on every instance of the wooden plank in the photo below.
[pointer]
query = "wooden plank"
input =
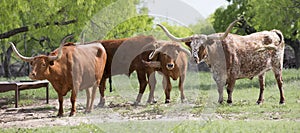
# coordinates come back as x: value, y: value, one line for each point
x: 17, y: 86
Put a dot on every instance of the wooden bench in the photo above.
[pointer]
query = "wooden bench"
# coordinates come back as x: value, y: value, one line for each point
x: 17, y: 86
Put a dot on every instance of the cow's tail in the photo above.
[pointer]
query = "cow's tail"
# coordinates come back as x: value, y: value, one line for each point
x: 273, y: 46
x: 110, y: 86
x: 279, y: 33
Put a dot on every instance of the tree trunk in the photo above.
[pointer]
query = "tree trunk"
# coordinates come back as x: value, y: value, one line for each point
x: 6, y: 62
x: 295, y: 44
x: 297, y: 53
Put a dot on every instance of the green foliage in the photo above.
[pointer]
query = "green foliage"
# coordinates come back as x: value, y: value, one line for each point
x: 203, y: 26
x: 118, y: 21
x: 262, y: 15
x: 176, y: 30
x: 131, y: 27
x: 276, y: 14
x: 224, y: 16
x: 43, y: 18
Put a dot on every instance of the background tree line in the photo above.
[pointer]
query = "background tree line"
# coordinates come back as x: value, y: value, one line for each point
x: 38, y: 26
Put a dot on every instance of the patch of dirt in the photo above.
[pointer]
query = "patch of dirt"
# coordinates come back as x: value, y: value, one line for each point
x: 41, y: 114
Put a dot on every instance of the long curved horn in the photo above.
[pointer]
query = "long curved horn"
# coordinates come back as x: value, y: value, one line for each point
x: 147, y: 47
x: 52, y: 58
x: 154, y: 53
x: 227, y: 30
x: 172, y: 37
x: 24, y: 58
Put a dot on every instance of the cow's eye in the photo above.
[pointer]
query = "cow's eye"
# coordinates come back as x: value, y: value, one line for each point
x: 43, y: 65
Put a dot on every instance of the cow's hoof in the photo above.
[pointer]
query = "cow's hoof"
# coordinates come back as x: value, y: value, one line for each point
x: 72, y: 114
x: 59, y: 115
x: 167, y: 101
x: 152, y: 102
x: 184, y: 101
x: 100, y: 105
x: 229, y: 101
x: 136, y: 103
x: 259, y: 102
x: 282, y: 103
x: 87, y: 112
x: 220, y: 102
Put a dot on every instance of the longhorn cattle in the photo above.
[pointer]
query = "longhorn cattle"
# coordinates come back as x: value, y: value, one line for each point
x: 169, y: 58
x: 124, y: 57
x: 70, y: 68
x: 233, y: 57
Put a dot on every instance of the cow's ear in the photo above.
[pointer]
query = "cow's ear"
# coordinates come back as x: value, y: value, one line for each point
x: 51, y: 63
x: 188, y: 44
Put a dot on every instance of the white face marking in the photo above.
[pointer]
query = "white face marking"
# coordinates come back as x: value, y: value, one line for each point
x: 195, y: 45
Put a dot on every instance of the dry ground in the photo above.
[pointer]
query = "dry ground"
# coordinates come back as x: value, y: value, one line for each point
x: 41, y: 114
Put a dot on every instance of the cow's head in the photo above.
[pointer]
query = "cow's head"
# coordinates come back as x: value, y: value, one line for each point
x: 165, y: 54
x: 198, y: 43
x: 201, y: 56
x: 40, y: 64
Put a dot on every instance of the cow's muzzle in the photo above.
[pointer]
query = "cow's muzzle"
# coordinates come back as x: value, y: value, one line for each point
x: 32, y: 75
x: 170, y: 66
x: 196, y: 58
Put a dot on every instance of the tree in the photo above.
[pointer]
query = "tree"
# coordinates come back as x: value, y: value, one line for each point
x: 262, y: 15
x: 41, y: 25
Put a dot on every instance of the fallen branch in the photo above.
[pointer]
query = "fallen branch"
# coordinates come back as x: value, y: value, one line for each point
x: 36, y: 26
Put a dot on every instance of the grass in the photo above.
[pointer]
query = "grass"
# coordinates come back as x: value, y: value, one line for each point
x: 201, y: 93
x: 172, y: 126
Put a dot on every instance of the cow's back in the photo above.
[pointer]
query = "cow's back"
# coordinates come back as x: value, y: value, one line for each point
x: 88, y: 64
x: 242, y: 58
x: 124, y: 57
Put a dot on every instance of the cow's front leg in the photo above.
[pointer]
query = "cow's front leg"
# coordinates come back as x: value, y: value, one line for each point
x: 73, y: 100
x: 181, y: 85
x: 152, y: 83
x: 261, y: 79
x: 220, y: 84
x: 60, y: 109
x: 167, y: 87
x: 220, y: 91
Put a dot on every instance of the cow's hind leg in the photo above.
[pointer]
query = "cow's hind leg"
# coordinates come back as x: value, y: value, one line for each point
x: 88, y: 100
x: 93, y: 97
x: 230, y: 87
x: 101, y: 90
x: 73, y: 100
x: 261, y: 88
x: 278, y: 76
x: 143, y: 83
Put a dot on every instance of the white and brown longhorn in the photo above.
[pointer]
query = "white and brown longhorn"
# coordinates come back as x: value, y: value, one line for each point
x: 233, y: 57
